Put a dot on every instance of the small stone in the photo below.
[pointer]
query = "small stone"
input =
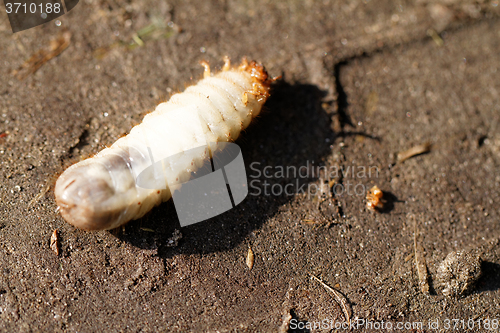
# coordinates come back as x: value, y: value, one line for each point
x: 458, y: 273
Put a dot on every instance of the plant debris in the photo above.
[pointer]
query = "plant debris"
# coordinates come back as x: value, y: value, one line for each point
x: 414, y: 151
x: 341, y: 299
x: 156, y: 30
x: 54, y: 242
x: 37, y: 60
x: 250, y: 258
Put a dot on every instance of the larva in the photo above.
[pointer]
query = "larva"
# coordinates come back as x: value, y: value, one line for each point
x: 101, y: 193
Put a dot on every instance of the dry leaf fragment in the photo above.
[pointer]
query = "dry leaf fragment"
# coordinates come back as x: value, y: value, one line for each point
x: 54, y: 242
x: 250, y: 258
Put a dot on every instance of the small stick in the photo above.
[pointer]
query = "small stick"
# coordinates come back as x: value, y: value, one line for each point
x: 338, y: 297
x: 309, y: 221
x: 414, y: 151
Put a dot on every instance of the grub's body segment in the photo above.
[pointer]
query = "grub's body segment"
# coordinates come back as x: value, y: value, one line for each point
x: 102, y: 193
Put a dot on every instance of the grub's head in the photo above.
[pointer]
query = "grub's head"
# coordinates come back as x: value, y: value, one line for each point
x: 261, y: 80
x: 84, y: 196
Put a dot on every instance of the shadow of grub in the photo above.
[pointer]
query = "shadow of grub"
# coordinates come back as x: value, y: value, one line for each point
x: 292, y: 129
x: 389, y: 200
x: 490, y: 277
x: 297, y: 325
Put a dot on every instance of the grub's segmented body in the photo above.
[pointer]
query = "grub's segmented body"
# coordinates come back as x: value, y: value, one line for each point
x: 102, y: 192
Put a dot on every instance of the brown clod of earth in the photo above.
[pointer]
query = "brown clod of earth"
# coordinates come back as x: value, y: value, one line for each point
x: 458, y: 273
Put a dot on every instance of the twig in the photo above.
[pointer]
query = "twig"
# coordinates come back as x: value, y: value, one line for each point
x: 341, y: 299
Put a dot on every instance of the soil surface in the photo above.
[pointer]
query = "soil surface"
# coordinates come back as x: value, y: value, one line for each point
x: 362, y: 81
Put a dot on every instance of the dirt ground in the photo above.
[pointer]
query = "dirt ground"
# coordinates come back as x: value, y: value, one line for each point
x: 362, y: 81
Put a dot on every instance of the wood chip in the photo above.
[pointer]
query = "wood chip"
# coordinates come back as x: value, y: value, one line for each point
x: 250, y: 258
x: 54, y: 242
x: 341, y: 299
x: 414, y: 151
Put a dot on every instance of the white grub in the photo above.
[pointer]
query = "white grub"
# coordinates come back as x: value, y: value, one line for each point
x: 101, y: 193
x: 250, y: 258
